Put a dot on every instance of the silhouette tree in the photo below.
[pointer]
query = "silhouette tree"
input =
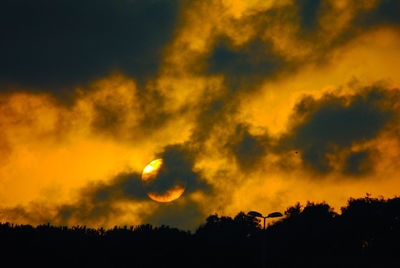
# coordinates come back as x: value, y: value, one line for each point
x: 365, y: 234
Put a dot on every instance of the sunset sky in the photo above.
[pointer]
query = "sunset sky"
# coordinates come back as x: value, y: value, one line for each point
x: 258, y: 104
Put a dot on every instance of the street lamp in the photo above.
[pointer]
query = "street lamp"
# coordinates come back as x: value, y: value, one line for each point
x: 259, y: 215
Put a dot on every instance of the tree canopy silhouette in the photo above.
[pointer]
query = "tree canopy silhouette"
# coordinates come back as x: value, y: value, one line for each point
x: 365, y: 233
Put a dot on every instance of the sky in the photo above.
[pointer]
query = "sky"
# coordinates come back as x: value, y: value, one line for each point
x: 258, y: 104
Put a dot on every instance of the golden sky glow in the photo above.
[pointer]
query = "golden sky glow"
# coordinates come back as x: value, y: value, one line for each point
x: 257, y: 104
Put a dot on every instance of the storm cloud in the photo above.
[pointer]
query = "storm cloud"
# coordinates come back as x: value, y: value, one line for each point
x: 385, y: 13
x: 308, y: 13
x: 56, y: 46
x: 359, y: 163
x: 178, y: 168
x: 246, y: 65
x: 322, y: 127
x: 96, y: 201
x: 247, y: 149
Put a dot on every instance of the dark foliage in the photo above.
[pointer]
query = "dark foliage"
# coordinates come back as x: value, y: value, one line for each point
x: 365, y: 234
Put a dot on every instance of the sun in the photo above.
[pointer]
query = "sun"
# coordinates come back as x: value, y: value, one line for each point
x: 159, y: 185
x: 151, y: 170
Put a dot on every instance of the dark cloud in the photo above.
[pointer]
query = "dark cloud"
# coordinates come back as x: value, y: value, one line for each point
x: 247, y: 149
x: 55, y: 45
x: 246, y: 65
x: 385, y: 12
x: 183, y: 214
x: 109, y: 118
x: 211, y: 116
x: 308, y: 13
x: 152, y: 106
x: 324, y: 126
x: 304, y: 17
x: 177, y: 169
x: 359, y: 163
x: 113, y: 111
x: 96, y: 201
x: 34, y: 213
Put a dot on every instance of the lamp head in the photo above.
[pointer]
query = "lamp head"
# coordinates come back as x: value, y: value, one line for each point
x: 255, y: 214
x: 274, y: 215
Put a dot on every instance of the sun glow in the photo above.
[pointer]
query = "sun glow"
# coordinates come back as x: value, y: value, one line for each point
x: 152, y: 167
x: 169, y: 196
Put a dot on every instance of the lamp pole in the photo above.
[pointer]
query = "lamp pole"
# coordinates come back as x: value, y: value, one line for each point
x: 259, y: 215
x: 264, y: 223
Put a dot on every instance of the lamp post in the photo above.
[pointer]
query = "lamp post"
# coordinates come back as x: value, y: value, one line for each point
x: 259, y: 215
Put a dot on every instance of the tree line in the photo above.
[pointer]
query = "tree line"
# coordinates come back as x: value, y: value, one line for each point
x: 365, y: 234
